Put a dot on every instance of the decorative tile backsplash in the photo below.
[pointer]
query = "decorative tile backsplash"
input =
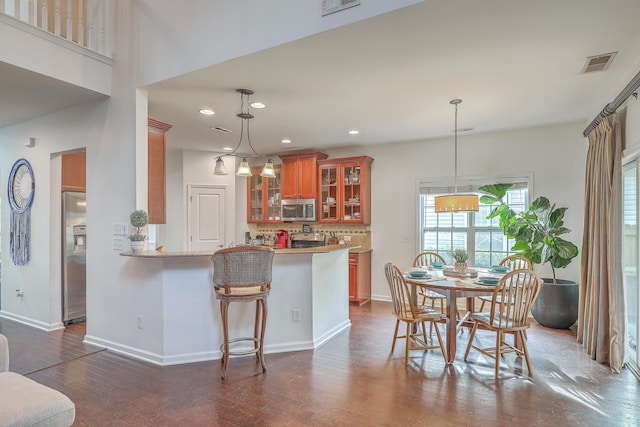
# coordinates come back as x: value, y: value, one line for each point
x: 360, y: 234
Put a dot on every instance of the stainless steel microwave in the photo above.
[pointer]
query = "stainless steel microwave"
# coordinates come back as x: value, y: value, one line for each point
x: 299, y: 209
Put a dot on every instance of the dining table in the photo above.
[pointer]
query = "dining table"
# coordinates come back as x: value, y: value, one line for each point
x: 453, y: 288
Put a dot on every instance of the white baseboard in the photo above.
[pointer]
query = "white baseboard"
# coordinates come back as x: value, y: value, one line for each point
x: 332, y: 333
x: 32, y: 322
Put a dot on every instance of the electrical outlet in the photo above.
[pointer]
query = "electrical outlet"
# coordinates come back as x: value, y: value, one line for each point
x: 346, y: 238
x: 140, y: 322
x: 296, y: 314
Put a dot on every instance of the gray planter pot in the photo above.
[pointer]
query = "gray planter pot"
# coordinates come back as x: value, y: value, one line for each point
x: 557, y: 304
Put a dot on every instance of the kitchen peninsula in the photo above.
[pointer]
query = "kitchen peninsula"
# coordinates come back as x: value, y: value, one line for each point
x: 307, y: 306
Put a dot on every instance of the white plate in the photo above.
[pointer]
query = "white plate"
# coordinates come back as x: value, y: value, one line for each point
x: 409, y: 276
x: 481, y: 282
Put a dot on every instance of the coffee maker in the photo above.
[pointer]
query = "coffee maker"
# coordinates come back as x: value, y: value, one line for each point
x: 282, y: 238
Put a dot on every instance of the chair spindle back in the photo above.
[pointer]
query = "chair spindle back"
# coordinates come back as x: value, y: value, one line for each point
x: 513, y: 297
x: 403, y: 305
x: 425, y: 259
x: 516, y: 262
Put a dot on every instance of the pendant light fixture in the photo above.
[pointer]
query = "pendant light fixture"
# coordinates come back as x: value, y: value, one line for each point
x: 456, y: 202
x: 220, y: 168
x: 244, y: 169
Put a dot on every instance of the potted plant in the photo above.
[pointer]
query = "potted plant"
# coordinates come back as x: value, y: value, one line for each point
x: 460, y: 256
x: 138, y: 219
x: 537, y: 233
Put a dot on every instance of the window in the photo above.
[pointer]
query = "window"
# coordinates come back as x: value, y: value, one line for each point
x: 482, y: 238
x: 152, y: 236
x: 630, y: 260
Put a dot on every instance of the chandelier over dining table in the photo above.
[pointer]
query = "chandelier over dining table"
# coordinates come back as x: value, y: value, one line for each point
x: 456, y: 202
x: 244, y: 169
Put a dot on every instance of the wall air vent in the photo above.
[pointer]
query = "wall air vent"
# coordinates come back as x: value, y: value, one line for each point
x: 220, y: 129
x: 599, y: 62
x: 332, y: 6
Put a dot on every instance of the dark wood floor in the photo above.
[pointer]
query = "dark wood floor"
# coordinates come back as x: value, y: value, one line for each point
x: 350, y: 381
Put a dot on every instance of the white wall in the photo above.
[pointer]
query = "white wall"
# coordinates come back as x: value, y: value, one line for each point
x: 554, y: 155
x: 39, y: 278
x: 187, y: 167
x: 174, y: 39
x: 198, y: 170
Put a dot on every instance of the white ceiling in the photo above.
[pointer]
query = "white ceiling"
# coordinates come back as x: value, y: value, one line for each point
x: 514, y: 63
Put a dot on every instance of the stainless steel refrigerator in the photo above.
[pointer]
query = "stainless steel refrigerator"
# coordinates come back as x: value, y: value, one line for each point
x: 74, y: 245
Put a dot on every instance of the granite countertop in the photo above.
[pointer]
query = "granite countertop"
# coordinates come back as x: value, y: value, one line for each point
x: 359, y: 250
x: 186, y: 254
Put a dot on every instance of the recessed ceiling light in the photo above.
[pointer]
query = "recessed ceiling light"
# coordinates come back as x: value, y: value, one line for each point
x: 258, y: 105
x: 207, y: 112
x: 354, y: 132
x: 286, y: 141
x: 227, y: 149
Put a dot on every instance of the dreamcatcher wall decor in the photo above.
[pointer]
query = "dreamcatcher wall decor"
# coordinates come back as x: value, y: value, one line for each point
x: 20, y: 191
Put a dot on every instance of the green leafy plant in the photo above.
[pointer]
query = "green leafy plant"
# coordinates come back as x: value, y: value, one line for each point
x: 536, y: 231
x: 460, y: 255
x: 139, y: 219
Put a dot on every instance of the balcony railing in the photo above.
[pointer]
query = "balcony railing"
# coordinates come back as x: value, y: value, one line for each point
x: 82, y: 22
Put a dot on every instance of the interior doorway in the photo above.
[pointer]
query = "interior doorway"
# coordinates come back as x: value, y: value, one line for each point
x: 74, y: 237
x: 206, y: 217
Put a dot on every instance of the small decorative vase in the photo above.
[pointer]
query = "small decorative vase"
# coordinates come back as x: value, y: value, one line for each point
x: 137, y: 245
x: 460, y: 267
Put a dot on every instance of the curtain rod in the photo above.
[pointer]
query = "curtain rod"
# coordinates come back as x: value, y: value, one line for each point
x: 611, y: 108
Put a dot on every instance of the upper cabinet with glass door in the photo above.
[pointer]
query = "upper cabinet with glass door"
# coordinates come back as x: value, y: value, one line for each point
x: 263, y: 197
x: 345, y: 190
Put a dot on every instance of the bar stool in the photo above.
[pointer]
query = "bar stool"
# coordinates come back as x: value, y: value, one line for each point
x: 243, y: 274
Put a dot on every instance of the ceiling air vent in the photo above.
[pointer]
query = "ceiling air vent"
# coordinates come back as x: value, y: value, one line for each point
x: 220, y: 129
x: 599, y: 62
x: 332, y: 6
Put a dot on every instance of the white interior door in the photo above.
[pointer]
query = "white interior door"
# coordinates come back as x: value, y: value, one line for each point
x: 207, y: 217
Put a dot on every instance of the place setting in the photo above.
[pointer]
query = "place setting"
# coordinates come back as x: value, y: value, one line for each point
x: 490, y: 276
x: 498, y: 269
x: 416, y: 273
x: 486, y: 281
x: 437, y: 265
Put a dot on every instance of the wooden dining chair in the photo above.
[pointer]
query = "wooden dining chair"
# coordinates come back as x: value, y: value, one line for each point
x: 405, y: 310
x: 511, y: 303
x: 425, y: 259
x: 512, y: 262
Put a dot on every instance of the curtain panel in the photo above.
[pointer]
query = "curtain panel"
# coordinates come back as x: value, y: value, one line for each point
x: 601, y: 314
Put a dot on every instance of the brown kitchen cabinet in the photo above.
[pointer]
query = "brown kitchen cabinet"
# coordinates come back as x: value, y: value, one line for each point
x: 345, y: 190
x: 263, y: 196
x: 360, y: 277
x: 74, y: 171
x: 157, y: 172
x: 299, y: 174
